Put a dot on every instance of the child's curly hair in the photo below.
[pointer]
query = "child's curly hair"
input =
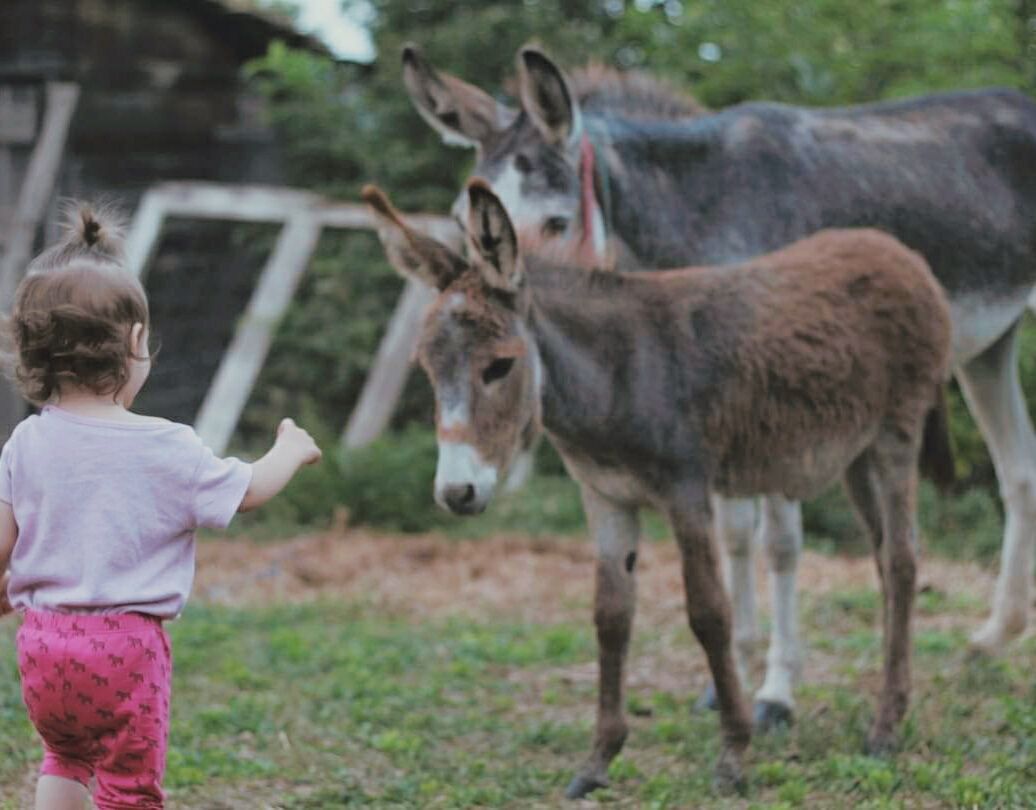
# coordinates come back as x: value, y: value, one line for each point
x: 75, y: 309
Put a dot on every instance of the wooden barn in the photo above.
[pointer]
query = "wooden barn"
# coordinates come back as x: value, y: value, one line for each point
x: 159, y: 97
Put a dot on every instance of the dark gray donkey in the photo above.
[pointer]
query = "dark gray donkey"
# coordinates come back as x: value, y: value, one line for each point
x: 820, y: 360
x: 618, y: 170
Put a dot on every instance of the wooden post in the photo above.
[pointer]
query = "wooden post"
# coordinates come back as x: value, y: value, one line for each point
x: 389, y: 371
x: 384, y: 384
x: 240, y: 366
x: 143, y: 233
x: 305, y: 214
x: 38, y: 186
x: 36, y: 191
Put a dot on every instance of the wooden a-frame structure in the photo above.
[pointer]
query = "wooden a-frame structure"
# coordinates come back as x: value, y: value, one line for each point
x: 303, y: 216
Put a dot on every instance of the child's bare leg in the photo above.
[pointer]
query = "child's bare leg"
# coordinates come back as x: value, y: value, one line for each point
x: 58, y: 793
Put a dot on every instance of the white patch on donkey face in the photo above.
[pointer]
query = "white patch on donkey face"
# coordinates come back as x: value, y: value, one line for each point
x: 454, y: 417
x: 461, y: 466
x: 527, y: 215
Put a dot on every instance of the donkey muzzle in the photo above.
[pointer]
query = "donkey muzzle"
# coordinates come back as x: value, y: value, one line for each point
x: 464, y: 483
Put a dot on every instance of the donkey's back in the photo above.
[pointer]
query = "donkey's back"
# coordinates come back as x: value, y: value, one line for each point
x: 953, y: 175
x: 811, y: 351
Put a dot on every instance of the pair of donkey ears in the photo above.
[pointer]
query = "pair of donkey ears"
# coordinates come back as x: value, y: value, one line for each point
x: 466, y: 116
x: 490, y: 233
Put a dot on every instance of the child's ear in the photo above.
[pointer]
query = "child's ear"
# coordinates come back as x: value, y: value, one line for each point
x: 138, y: 343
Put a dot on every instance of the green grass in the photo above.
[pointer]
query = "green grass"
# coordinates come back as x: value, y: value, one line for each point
x: 332, y: 705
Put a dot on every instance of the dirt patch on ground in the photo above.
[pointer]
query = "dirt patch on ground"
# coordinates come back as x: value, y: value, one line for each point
x: 541, y: 579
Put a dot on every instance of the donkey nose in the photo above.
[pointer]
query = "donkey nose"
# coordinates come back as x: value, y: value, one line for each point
x: 459, y: 497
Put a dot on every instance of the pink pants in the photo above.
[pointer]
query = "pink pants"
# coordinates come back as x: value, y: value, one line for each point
x: 97, y: 690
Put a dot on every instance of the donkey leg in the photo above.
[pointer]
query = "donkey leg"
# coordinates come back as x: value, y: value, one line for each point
x: 615, y: 530
x: 994, y: 394
x: 781, y: 530
x: 734, y: 520
x: 709, y: 613
x: 862, y: 488
x: 895, y: 470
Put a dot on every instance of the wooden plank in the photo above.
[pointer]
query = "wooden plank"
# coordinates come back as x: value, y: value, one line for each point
x: 33, y: 197
x: 37, y: 187
x: 226, y: 397
x: 19, y: 112
x: 144, y: 232
x: 197, y: 200
x: 388, y: 375
x: 306, y: 214
x: 387, y: 378
x: 8, y: 194
x: 349, y: 216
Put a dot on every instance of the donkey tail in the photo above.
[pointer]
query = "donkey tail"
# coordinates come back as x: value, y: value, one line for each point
x: 936, y: 449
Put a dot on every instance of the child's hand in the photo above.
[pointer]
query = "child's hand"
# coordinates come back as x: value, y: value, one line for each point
x: 293, y: 448
x: 5, y: 605
x: 301, y: 444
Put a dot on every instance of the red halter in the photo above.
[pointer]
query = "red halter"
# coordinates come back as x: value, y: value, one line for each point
x: 588, y: 199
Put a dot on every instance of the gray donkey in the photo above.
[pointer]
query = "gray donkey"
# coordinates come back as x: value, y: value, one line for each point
x: 619, y: 170
x: 820, y: 360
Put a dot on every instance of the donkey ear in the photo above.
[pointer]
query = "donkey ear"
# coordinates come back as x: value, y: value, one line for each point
x: 411, y: 252
x: 493, y: 238
x: 547, y: 97
x: 460, y: 112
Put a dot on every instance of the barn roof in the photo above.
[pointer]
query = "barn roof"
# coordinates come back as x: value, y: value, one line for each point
x: 254, y: 25
x: 42, y: 37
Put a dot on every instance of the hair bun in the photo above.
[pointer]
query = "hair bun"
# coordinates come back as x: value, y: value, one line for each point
x: 96, y: 228
x: 91, y: 231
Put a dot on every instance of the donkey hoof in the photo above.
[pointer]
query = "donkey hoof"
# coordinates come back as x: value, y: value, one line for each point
x: 581, y: 785
x: 768, y: 715
x: 707, y: 702
x: 881, y: 744
x: 991, y: 638
x: 728, y: 778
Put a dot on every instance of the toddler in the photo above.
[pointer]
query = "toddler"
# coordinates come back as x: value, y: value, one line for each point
x: 98, y: 508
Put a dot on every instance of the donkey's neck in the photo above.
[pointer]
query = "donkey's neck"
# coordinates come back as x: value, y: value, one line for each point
x: 587, y: 340
x: 653, y: 175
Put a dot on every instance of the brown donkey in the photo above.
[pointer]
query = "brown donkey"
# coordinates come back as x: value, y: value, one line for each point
x: 818, y: 360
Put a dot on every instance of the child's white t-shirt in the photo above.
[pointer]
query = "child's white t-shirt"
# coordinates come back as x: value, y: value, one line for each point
x: 107, y: 510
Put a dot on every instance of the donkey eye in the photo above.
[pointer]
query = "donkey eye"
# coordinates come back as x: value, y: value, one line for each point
x: 523, y: 164
x: 497, y: 370
x: 555, y: 226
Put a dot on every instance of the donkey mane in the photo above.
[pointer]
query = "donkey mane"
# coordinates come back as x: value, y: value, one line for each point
x: 632, y: 94
x: 558, y: 273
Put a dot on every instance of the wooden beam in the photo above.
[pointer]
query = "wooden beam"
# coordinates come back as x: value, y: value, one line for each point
x: 19, y: 113
x: 33, y: 197
x: 228, y: 394
x: 306, y: 214
x: 37, y: 187
x: 384, y: 385
x: 388, y: 375
x: 144, y: 232
x: 197, y: 200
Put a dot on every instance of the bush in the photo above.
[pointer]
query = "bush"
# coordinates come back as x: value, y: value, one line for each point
x: 314, y: 494
x: 966, y: 526
x: 389, y: 483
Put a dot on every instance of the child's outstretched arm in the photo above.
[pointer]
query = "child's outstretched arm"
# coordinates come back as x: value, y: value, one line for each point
x: 8, y: 534
x: 293, y: 448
